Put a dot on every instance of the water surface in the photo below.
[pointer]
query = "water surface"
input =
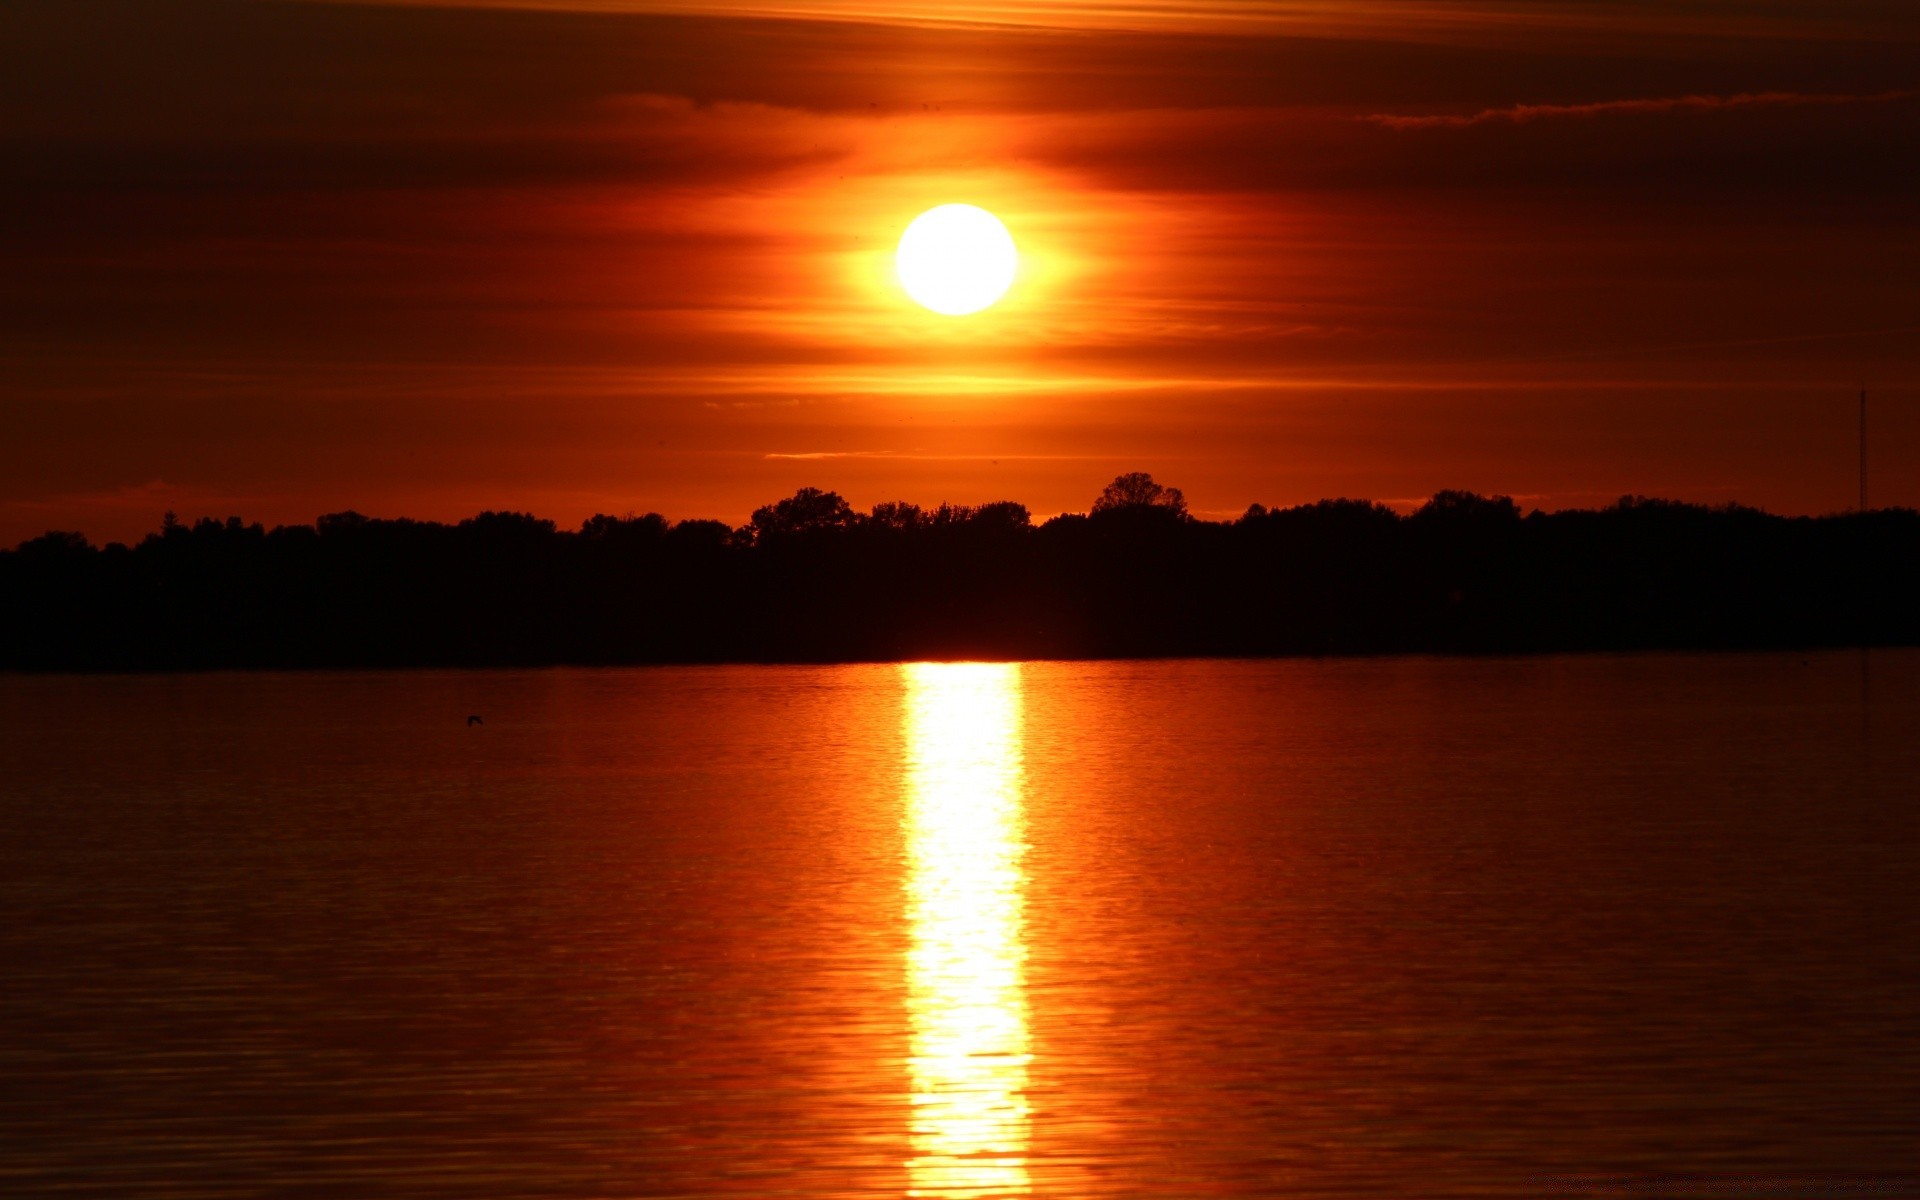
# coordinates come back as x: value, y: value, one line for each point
x: 1400, y: 927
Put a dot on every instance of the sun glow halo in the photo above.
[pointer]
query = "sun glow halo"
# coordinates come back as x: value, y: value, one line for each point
x: 956, y: 259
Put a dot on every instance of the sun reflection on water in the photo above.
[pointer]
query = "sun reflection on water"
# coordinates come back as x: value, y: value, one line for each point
x: 966, y: 835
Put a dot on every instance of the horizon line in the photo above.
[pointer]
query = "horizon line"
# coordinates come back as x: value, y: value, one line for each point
x: 1400, y: 507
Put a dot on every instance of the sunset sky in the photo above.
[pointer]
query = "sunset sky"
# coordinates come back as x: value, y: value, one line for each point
x: 279, y: 259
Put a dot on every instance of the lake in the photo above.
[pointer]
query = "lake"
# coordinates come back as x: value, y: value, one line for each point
x: 1608, y: 925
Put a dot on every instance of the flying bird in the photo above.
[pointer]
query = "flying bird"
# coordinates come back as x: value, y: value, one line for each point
x: 472, y: 721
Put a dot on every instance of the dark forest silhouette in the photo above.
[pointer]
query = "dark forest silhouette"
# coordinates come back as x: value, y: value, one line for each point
x: 811, y: 579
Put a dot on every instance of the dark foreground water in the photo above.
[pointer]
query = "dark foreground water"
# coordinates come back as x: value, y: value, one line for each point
x: 1577, y: 926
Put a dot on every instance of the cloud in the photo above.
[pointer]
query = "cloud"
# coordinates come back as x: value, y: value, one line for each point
x: 916, y: 456
x: 1520, y: 114
x: 1401, y: 20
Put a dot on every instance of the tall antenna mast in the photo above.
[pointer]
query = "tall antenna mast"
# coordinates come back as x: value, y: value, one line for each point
x: 1863, y: 449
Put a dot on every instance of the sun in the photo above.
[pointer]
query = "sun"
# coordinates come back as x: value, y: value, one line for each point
x: 956, y: 259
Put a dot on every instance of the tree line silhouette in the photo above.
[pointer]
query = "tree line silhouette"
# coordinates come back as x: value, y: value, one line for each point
x: 809, y: 578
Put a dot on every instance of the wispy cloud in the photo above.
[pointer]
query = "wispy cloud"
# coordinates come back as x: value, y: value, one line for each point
x: 1520, y: 114
x: 916, y: 456
x: 1397, y: 19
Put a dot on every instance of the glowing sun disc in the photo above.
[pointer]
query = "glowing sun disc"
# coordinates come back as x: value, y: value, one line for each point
x: 956, y: 259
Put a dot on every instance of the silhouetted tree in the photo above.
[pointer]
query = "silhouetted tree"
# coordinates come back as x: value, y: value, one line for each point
x: 1003, y: 514
x: 55, y: 545
x: 508, y: 525
x: 628, y: 529
x: 1463, y: 508
x: 806, y: 511
x: 1136, y: 490
x: 339, y: 523
x: 897, y: 514
x: 710, y: 535
x: 809, y: 579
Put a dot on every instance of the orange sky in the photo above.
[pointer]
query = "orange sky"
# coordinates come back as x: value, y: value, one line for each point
x: 278, y: 259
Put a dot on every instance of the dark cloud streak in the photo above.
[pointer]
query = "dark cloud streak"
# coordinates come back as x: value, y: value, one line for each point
x: 1520, y: 114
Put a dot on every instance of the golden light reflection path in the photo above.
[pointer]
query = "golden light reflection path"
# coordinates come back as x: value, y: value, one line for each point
x: 966, y: 836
